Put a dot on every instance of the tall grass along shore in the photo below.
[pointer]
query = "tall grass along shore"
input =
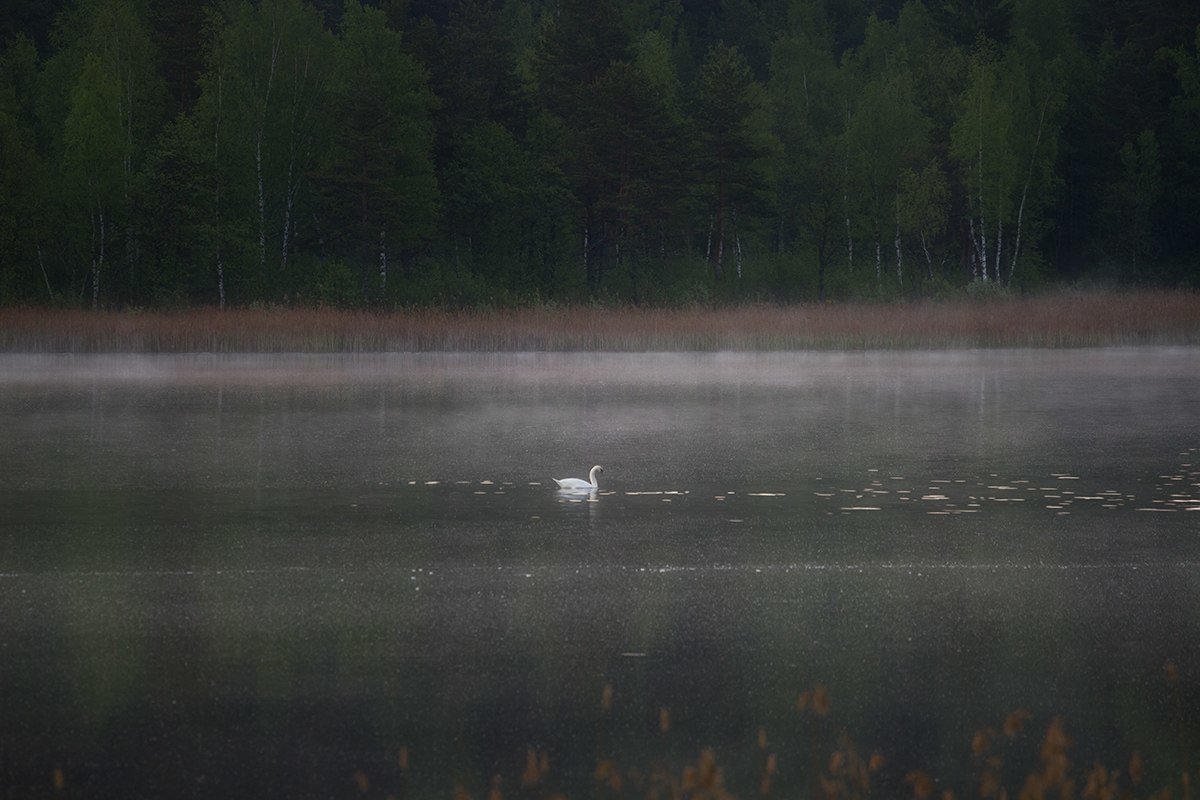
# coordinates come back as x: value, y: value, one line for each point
x: 1053, y: 320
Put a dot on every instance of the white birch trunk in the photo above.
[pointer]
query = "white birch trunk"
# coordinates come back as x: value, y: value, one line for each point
x: 849, y: 247
x: 96, y: 285
x: 878, y: 255
x: 717, y: 262
x: 42, y: 264
x: 217, y: 192
x: 98, y: 264
x: 92, y: 271
x: 846, y: 203
x: 1037, y: 140
x: 289, y: 198
x: 1017, y: 244
x: 983, y: 261
x: 128, y: 160
x: 878, y: 260
x: 125, y: 111
x: 999, y: 245
x: 974, y: 249
x: 899, y: 258
x: 737, y: 241
x: 300, y: 76
x: 383, y: 259
x: 258, y: 157
x: 982, y: 222
x: 928, y: 258
x: 262, y: 204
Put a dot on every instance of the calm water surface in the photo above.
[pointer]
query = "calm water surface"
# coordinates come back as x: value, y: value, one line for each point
x: 266, y: 575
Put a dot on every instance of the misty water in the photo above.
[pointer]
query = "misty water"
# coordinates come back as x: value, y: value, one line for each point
x: 226, y: 576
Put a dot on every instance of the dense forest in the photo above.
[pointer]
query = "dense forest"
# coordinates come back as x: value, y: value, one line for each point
x: 494, y: 152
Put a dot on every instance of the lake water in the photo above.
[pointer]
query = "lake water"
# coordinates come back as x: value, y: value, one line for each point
x: 341, y: 576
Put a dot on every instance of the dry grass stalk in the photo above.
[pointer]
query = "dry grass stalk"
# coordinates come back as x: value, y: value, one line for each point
x: 845, y: 776
x: 921, y: 783
x: 1058, y: 320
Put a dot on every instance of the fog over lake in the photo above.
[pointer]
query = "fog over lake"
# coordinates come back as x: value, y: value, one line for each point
x: 227, y: 576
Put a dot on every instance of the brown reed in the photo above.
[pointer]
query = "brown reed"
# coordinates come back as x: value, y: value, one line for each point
x: 1063, y: 319
x: 845, y: 774
x: 848, y: 775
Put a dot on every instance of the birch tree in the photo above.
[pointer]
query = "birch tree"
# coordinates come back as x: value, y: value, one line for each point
x: 924, y: 200
x: 105, y: 74
x: 1005, y: 143
x: 270, y: 79
x: 93, y: 144
x: 1040, y: 58
x: 118, y: 36
x: 212, y: 114
x: 886, y: 134
x: 981, y: 143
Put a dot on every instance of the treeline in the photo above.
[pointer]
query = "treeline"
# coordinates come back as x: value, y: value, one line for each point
x: 413, y: 152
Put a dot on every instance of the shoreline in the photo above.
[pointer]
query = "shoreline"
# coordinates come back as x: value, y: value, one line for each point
x: 1056, y: 320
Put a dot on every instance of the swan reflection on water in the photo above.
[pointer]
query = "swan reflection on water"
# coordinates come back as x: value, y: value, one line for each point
x: 577, y: 496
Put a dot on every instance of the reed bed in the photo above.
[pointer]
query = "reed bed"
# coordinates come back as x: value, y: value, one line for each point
x: 1053, y: 320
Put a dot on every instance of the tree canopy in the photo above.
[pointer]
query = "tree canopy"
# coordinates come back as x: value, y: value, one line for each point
x: 410, y: 152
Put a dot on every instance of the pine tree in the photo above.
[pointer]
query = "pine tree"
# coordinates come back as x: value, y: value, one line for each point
x: 733, y: 141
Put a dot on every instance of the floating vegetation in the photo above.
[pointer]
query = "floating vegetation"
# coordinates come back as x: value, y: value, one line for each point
x: 952, y: 496
x: 941, y: 497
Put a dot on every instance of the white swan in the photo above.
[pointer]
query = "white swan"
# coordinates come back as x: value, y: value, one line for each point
x: 579, y: 484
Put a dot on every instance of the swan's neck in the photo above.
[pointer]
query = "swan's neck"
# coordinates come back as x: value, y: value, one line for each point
x: 592, y: 476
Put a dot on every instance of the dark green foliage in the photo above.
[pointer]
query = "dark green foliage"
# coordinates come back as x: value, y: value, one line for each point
x: 733, y: 142
x: 498, y: 152
x: 379, y: 187
x: 33, y: 19
x: 22, y: 181
x: 176, y: 29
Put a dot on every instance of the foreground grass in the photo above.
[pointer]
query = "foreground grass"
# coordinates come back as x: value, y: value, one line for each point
x: 1056, y: 320
x: 1019, y: 757
x: 808, y: 754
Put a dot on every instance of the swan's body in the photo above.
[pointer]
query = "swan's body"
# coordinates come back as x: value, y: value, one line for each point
x: 579, y: 484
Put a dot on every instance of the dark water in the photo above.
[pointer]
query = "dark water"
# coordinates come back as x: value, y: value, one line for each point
x: 265, y: 576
